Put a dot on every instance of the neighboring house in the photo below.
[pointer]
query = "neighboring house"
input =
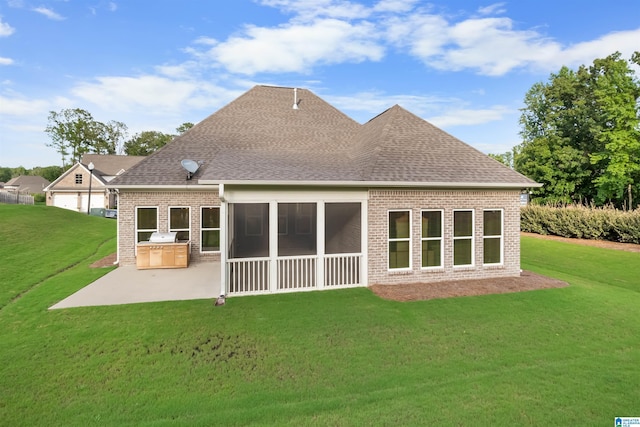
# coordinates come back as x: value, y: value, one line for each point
x: 71, y: 189
x: 291, y: 194
x: 26, y: 184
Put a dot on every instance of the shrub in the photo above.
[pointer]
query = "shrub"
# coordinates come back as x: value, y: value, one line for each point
x: 582, y: 222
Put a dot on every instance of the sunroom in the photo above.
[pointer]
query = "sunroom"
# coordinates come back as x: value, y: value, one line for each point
x: 284, y: 241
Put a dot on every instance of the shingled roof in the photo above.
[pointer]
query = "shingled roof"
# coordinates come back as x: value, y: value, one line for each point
x: 260, y: 138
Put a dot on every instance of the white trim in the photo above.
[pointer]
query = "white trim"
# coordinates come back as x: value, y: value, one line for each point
x: 425, y: 239
x: 472, y: 237
x: 219, y: 229
x: 295, y: 195
x: 224, y: 248
x: 500, y: 236
x: 145, y: 230
x: 146, y: 187
x: 403, y: 239
x: 320, y: 243
x: 376, y: 184
x: 364, y: 245
x: 179, y: 229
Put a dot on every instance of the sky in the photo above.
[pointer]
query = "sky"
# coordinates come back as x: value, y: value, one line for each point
x: 464, y: 66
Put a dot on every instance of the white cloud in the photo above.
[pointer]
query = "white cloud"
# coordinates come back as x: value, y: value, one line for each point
x: 424, y: 34
x: 470, y: 117
x: 5, y: 61
x: 297, y: 48
x: 19, y: 106
x: 49, y: 13
x: 307, y: 10
x: 492, y: 9
x: 129, y: 93
x: 364, y: 106
x: 395, y: 6
x: 5, y: 29
x: 625, y: 42
x: 492, y: 46
x: 112, y: 7
x: 327, y: 32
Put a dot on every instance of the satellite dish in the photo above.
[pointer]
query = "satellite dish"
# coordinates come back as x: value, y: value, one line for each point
x: 190, y: 166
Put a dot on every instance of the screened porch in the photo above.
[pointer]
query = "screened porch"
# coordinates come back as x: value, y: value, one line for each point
x: 293, y: 246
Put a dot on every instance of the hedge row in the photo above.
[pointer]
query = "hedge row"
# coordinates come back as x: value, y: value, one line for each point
x: 582, y: 222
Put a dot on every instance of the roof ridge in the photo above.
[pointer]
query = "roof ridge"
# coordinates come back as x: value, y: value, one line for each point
x: 371, y: 154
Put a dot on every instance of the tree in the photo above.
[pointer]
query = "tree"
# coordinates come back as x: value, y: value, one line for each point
x: 111, y: 138
x: 580, y: 133
x: 184, y: 127
x: 75, y: 132
x: 50, y: 173
x: 504, y: 158
x: 5, y: 174
x: 145, y: 143
x: 616, y: 93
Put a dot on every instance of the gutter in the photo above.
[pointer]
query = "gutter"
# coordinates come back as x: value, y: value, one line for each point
x: 395, y: 184
x: 197, y: 187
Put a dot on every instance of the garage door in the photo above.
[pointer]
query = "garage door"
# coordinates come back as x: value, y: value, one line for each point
x: 97, y: 201
x: 66, y: 201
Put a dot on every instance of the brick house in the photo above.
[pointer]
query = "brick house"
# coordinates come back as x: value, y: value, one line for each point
x: 290, y: 194
x: 71, y: 189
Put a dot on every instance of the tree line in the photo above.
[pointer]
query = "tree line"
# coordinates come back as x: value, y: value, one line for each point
x: 74, y: 132
x: 581, y: 135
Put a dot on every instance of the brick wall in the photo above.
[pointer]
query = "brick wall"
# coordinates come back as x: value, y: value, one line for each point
x: 129, y: 200
x: 381, y: 201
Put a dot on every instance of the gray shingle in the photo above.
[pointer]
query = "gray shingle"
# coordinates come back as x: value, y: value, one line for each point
x: 260, y: 137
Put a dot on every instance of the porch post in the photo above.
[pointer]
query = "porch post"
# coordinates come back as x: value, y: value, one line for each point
x: 224, y: 225
x: 273, y: 246
x: 320, y: 219
x: 364, y: 267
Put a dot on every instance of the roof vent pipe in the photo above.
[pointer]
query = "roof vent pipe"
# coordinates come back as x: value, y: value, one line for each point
x: 295, y: 98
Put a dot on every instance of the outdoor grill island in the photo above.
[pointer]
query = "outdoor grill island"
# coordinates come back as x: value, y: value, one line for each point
x: 163, y: 250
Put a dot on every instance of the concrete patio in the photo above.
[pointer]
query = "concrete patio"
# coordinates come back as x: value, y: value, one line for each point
x: 128, y: 285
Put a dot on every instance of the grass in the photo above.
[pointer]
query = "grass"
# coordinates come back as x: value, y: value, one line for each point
x: 552, y: 357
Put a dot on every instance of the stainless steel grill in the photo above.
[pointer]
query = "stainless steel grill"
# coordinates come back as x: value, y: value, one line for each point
x: 169, y: 237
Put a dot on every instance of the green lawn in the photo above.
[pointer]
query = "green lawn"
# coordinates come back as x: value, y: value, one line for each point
x: 567, y: 356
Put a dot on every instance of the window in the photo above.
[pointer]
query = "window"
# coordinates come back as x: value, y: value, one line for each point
x: 180, y: 222
x: 297, y: 231
x: 463, y: 238
x: 492, y: 239
x: 342, y: 228
x: 210, y: 229
x: 246, y: 226
x: 431, y: 239
x: 399, y: 239
x: 78, y: 178
x: 146, y: 223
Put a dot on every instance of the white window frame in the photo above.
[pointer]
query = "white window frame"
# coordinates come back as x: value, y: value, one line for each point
x: 441, y: 239
x: 79, y: 178
x: 202, y: 229
x: 403, y: 239
x: 138, y: 230
x: 179, y: 229
x: 455, y: 238
x: 500, y: 236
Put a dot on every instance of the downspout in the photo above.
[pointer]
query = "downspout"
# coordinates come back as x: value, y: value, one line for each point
x: 117, y: 261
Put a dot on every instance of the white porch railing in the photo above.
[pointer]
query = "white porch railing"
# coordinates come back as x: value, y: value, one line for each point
x: 252, y: 275
x: 248, y: 275
x: 297, y: 273
x: 342, y: 270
